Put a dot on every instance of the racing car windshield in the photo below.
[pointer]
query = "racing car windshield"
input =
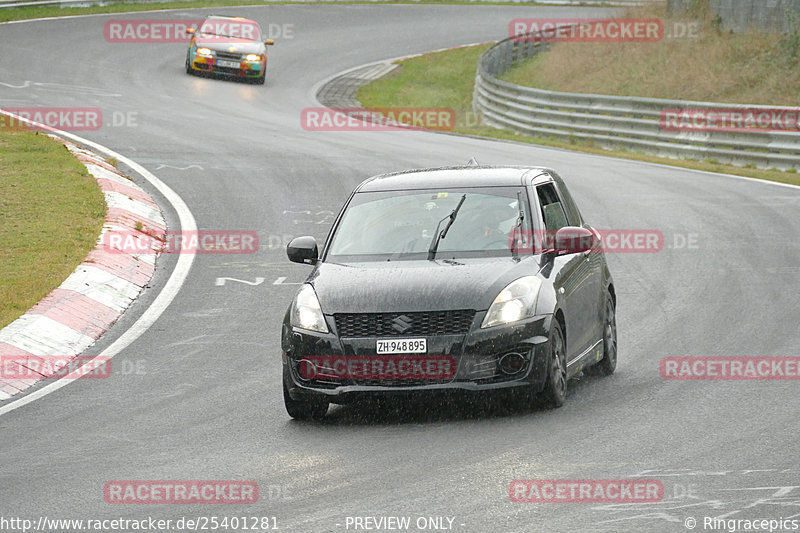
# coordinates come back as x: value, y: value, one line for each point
x: 232, y: 29
x: 402, y: 224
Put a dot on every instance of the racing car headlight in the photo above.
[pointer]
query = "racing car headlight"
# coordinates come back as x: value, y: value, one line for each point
x: 306, y: 311
x: 515, y: 302
x: 204, y: 52
x: 252, y: 57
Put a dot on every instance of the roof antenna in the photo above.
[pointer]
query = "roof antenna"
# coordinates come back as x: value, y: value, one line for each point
x: 472, y: 162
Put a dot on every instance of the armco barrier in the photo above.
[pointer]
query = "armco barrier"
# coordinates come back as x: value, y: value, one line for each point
x: 619, y: 121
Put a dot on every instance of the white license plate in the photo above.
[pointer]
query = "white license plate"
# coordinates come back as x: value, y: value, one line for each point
x: 402, y: 346
x: 229, y: 64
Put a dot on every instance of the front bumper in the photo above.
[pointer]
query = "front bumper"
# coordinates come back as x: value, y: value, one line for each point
x: 245, y: 69
x: 475, y: 356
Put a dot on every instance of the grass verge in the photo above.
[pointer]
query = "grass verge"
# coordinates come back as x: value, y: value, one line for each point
x: 447, y: 79
x: 715, y: 66
x: 51, y: 213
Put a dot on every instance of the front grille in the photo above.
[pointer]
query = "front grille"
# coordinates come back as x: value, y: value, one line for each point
x: 227, y: 56
x: 227, y: 70
x: 426, y: 323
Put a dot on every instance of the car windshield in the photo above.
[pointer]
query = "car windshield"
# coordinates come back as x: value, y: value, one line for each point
x: 237, y: 29
x: 402, y: 224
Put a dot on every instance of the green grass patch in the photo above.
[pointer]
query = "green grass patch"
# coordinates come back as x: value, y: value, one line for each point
x: 726, y: 68
x: 447, y: 79
x: 442, y: 79
x: 51, y: 213
x: 719, y: 66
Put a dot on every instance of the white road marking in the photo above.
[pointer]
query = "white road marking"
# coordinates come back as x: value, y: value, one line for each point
x: 61, y: 88
x: 162, y: 165
x: 282, y: 281
x: 221, y: 281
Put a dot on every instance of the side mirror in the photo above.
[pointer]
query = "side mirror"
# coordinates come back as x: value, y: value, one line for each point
x: 269, y: 41
x: 573, y: 240
x: 302, y: 250
x: 190, y: 31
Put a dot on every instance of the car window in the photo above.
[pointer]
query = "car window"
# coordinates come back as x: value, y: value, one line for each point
x: 403, y: 223
x: 570, y: 207
x: 240, y: 29
x: 552, y: 210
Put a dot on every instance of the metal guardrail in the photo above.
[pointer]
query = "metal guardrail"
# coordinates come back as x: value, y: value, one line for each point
x: 618, y: 121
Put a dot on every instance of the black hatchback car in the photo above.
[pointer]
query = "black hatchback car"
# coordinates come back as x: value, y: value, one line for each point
x: 463, y: 278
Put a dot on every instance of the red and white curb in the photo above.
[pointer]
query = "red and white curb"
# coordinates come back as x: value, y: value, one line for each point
x: 74, y: 315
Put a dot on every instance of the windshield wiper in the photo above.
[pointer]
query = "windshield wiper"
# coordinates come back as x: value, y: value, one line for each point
x: 439, y: 236
x: 517, y: 236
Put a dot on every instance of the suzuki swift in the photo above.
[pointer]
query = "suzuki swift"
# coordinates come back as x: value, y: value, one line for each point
x: 468, y: 279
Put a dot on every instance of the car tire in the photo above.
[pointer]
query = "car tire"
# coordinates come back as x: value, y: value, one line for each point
x: 188, y: 66
x: 607, y: 365
x: 261, y: 79
x: 555, y: 387
x: 304, y: 409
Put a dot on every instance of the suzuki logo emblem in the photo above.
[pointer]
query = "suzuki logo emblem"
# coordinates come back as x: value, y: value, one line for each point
x: 401, y: 324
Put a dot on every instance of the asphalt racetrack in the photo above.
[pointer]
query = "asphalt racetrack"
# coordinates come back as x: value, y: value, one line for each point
x: 206, y: 403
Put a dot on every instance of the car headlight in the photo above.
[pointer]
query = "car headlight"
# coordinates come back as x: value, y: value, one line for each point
x: 204, y: 52
x: 306, y: 311
x: 515, y: 302
x: 253, y: 57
